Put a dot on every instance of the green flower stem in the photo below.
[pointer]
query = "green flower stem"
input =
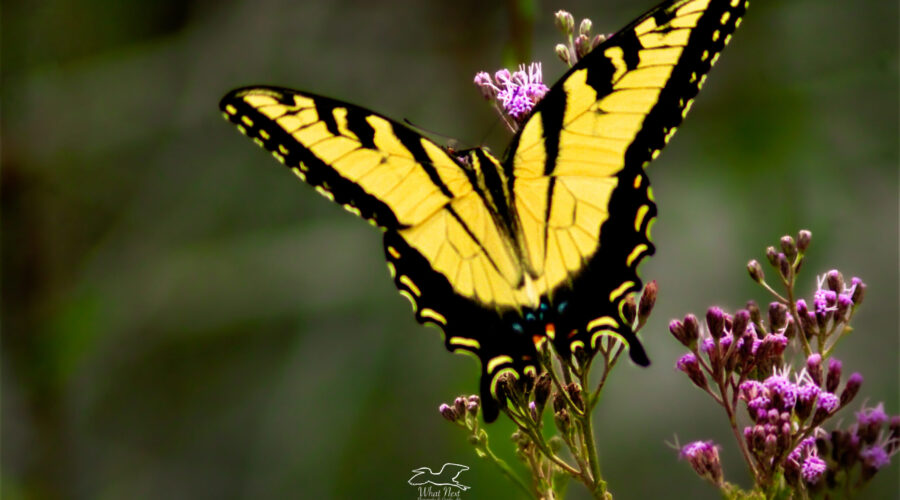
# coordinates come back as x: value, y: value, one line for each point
x: 587, y: 435
x: 482, y: 446
x: 538, y: 441
x: 776, y: 294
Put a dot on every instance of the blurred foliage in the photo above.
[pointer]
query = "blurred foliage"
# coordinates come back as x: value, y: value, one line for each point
x: 181, y: 319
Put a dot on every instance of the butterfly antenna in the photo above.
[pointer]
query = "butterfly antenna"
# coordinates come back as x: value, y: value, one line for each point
x: 452, y: 142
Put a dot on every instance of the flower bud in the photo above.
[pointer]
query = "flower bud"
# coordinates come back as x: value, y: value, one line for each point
x: 859, y: 291
x: 758, y: 437
x: 835, y: 281
x: 559, y: 402
x: 525, y: 383
x: 448, y: 412
x: 843, y: 307
x: 803, y: 239
x: 774, y: 346
x: 691, y: 329
x: 648, y: 300
x: 851, y: 389
x: 676, y: 328
x: 691, y: 367
x: 834, y: 375
x: 564, y: 22
x: 585, y: 27
x: 715, y: 321
x: 777, y: 316
x: 746, y: 349
x: 704, y: 459
x: 788, y: 247
x: 629, y: 309
x: 562, y: 52
x: 574, y: 391
x: 598, y: 40
x: 784, y: 266
x: 784, y: 437
x: 814, y: 368
x: 772, y: 256
x: 459, y: 404
x: 756, y: 271
x: 755, y: 316
x: 582, y: 46
x: 739, y: 324
x: 542, y: 389
x: 807, y: 320
x: 503, y: 389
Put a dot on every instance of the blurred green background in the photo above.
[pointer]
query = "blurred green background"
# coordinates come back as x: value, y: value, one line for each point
x: 183, y: 319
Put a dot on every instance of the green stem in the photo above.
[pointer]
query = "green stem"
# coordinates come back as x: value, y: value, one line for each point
x: 506, y: 470
x: 587, y: 432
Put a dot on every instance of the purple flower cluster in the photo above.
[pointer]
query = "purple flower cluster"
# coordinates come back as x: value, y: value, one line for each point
x: 732, y: 344
x: 835, y: 455
x: 461, y: 408
x: 740, y: 360
x: 516, y: 92
x: 804, y: 463
x: 832, y: 305
x: 780, y: 408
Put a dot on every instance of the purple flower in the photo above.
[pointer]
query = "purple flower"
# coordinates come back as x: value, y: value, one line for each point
x: 807, y: 394
x: 829, y: 402
x: 803, y: 448
x: 516, y: 92
x: 872, y: 416
x: 751, y: 389
x: 824, y: 301
x: 874, y: 457
x: 813, y: 469
x: 782, y: 391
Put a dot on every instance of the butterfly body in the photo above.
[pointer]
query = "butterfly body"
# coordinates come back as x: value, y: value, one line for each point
x: 543, y: 244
